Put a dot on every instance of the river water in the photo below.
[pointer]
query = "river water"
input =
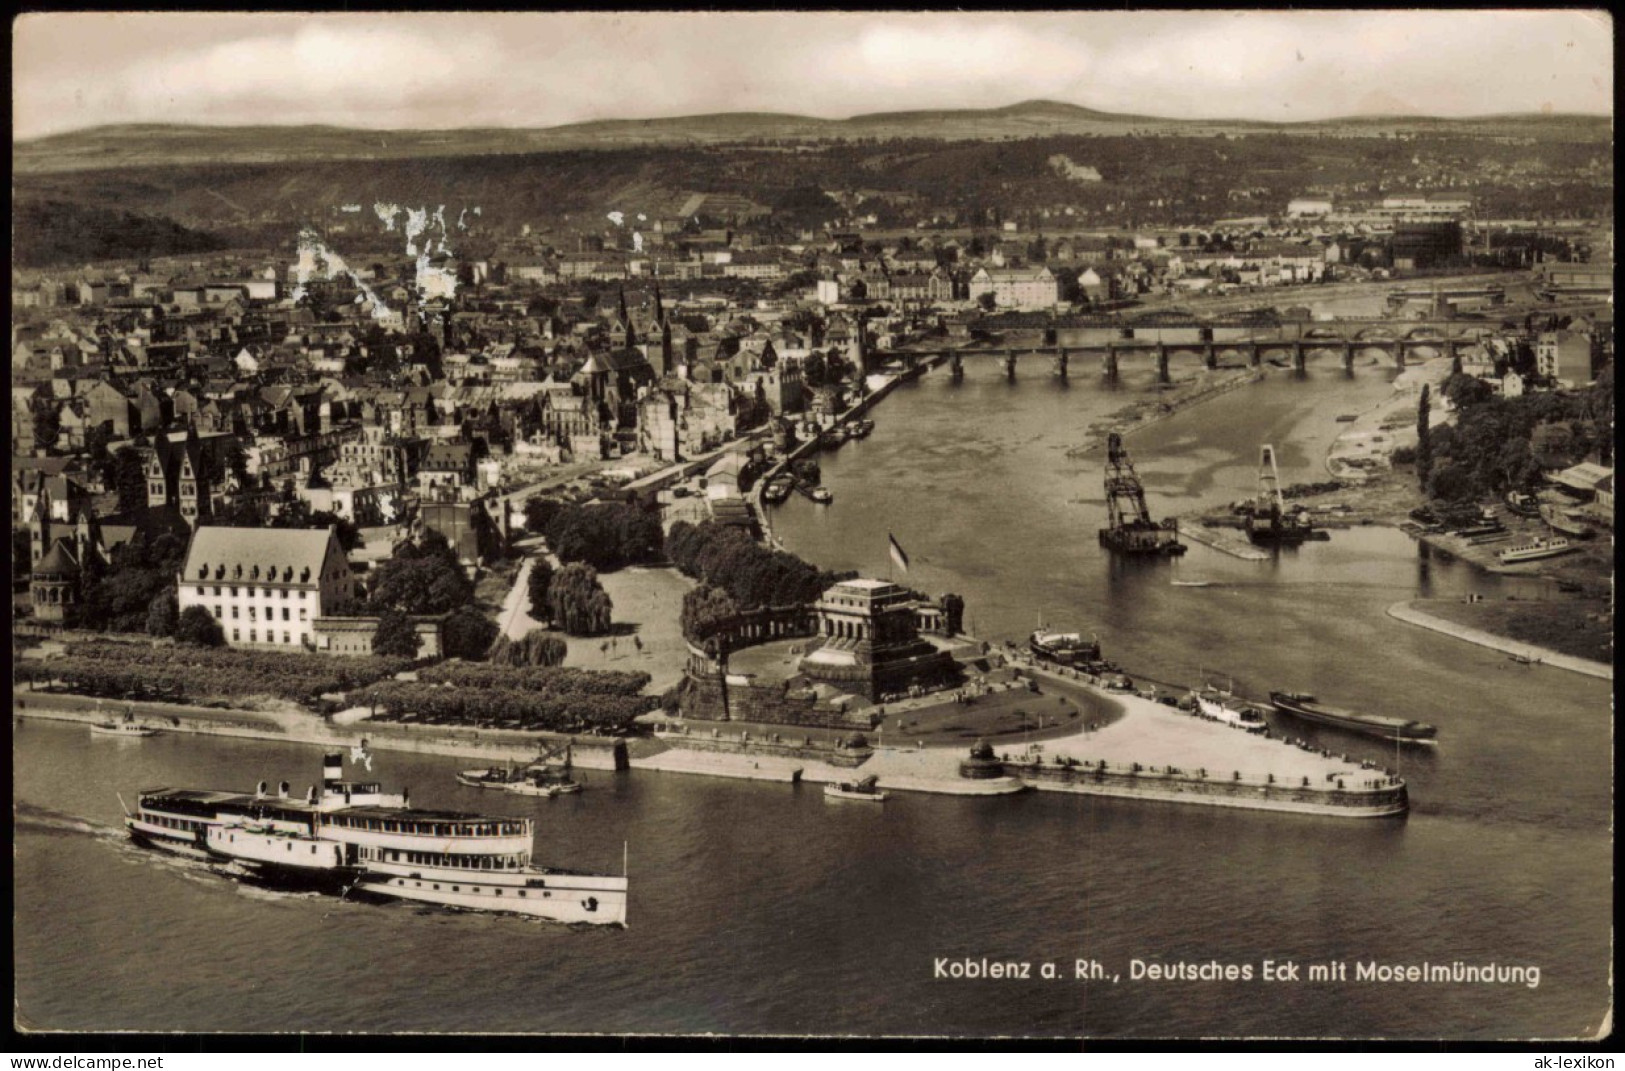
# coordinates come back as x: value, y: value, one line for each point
x: 760, y: 908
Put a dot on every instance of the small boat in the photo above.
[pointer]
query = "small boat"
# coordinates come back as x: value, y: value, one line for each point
x: 1303, y: 705
x: 1523, y: 505
x: 1192, y: 583
x: 1539, y: 549
x: 862, y: 428
x: 1523, y: 660
x: 127, y: 729
x: 865, y: 789
x: 490, y: 777
x: 821, y: 495
x: 544, y: 781
x: 777, y: 490
x: 1063, y: 648
x: 1560, y: 521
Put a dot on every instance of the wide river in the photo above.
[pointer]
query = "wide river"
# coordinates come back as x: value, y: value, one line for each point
x: 762, y: 909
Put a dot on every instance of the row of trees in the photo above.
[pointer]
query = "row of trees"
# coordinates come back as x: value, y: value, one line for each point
x: 197, y: 674
x: 542, y: 680
x: 505, y: 708
x: 752, y: 575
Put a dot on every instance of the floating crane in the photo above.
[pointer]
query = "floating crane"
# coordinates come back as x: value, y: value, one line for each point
x: 1269, y: 522
x: 1130, y: 528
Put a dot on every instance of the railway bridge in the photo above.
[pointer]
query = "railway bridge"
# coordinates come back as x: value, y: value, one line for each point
x: 1113, y: 342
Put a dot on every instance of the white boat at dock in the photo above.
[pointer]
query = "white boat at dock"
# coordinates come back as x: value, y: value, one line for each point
x: 127, y: 730
x: 1535, y: 551
x: 1222, y: 706
x: 864, y: 789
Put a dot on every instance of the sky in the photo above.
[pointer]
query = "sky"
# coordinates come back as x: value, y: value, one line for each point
x: 428, y: 71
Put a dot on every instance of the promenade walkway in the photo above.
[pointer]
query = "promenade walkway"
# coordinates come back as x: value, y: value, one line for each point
x: 1408, y: 613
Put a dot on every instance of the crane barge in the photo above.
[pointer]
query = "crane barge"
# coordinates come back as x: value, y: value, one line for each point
x: 1130, y: 529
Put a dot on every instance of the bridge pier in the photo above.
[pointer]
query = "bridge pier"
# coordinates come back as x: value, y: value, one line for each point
x: 1162, y: 363
x: 1108, y: 363
x: 1297, y: 356
x: 1399, y: 354
x: 1348, y: 357
x: 1010, y: 364
x: 1061, y: 360
x: 956, y: 367
x: 1256, y: 356
x: 1210, y: 357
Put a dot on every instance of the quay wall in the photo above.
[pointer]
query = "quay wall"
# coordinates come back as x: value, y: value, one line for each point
x: 849, y: 758
x: 1385, y: 797
x: 496, y: 745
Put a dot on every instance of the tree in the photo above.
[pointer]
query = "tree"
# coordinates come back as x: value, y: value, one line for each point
x: 421, y: 585
x: 468, y: 634
x: 539, y: 512
x: 541, y: 577
x: 705, y: 608
x: 580, y: 606
x: 987, y: 301
x: 1424, y: 448
x: 197, y: 626
x: 129, y: 479
x: 813, y: 369
x: 163, y: 614
x: 396, y: 637
x: 22, y: 553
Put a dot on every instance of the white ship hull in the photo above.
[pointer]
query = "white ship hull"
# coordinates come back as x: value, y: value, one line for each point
x: 577, y: 898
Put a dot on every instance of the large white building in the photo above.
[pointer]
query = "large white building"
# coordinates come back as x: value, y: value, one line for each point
x: 265, y: 586
x: 1017, y: 288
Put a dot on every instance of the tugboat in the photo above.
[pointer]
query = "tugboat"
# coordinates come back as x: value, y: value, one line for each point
x: 1303, y: 705
x: 865, y: 789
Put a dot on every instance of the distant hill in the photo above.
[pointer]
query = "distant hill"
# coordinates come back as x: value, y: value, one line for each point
x: 157, y: 145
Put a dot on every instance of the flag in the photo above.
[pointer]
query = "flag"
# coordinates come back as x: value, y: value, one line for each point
x: 897, y: 554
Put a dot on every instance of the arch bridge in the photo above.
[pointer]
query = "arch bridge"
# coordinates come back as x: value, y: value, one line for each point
x: 1159, y: 341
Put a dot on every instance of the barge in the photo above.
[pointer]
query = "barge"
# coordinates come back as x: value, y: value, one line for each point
x: 1303, y: 705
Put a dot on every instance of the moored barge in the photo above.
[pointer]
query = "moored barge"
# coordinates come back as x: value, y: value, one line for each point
x: 1303, y: 705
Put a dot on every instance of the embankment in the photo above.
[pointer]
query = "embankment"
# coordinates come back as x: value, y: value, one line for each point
x: 1408, y: 613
